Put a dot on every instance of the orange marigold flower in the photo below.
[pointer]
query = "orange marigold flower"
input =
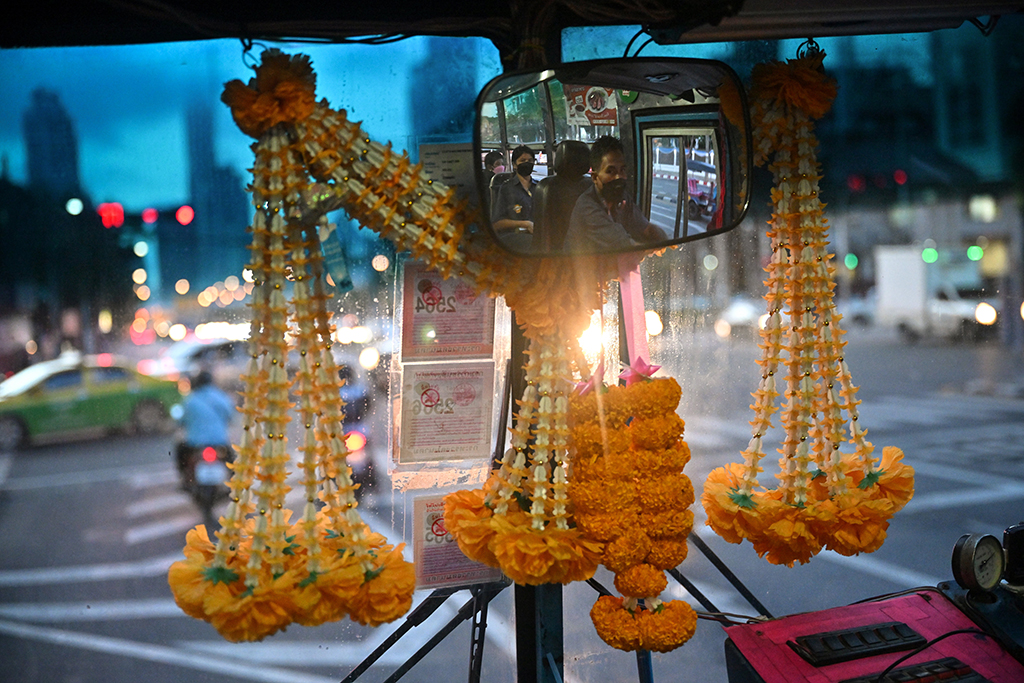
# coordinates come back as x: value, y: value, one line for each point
x: 386, y: 595
x: 798, y: 83
x: 284, y: 90
x: 602, y: 495
x: 468, y: 520
x: 243, y: 615
x: 531, y: 557
x: 674, y: 491
x: 665, y: 629
x: 615, y: 625
x: 626, y: 551
x: 787, y: 536
x: 896, y: 479
x: 607, y: 527
x: 654, y: 398
x: 191, y: 579
x: 667, y: 553
x: 855, y: 523
x: 326, y: 597
x: 666, y: 523
x: 641, y: 581
x: 656, y: 433
x: 590, y: 440
x: 726, y: 516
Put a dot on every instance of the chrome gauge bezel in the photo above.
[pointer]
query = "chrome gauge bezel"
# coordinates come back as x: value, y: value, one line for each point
x: 971, y: 555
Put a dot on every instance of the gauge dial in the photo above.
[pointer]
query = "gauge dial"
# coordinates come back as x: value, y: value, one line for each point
x: 978, y: 561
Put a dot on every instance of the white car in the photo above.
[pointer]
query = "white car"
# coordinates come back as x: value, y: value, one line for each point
x: 225, y: 359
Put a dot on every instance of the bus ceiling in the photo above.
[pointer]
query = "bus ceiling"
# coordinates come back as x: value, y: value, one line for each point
x: 56, y: 23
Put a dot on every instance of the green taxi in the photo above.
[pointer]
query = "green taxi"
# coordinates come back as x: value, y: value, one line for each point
x: 76, y: 395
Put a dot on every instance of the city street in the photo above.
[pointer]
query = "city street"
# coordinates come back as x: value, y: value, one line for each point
x: 90, y: 528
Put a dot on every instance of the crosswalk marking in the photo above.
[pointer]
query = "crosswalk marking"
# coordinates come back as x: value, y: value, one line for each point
x: 147, y: 532
x: 219, y: 664
x: 141, y: 508
x: 154, y: 566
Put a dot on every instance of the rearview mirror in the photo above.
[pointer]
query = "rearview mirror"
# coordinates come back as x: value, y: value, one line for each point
x: 683, y: 173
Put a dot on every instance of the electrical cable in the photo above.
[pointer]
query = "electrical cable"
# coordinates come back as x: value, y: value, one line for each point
x: 625, y: 53
x: 646, y: 43
x: 881, y: 677
x: 909, y: 591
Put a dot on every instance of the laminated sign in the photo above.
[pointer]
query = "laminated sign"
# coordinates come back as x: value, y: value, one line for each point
x: 439, y: 562
x: 444, y: 318
x: 446, y: 411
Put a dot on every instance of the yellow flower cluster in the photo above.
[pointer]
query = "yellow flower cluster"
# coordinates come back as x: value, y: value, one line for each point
x: 824, y: 499
x: 629, y: 627
x: 628, y: 492
x: 519, y: 520
x: 265, y: 573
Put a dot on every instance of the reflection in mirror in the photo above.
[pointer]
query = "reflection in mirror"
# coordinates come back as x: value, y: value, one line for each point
x: 612, y: 156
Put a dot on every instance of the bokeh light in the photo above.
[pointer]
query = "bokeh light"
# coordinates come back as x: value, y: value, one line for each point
x: 177, y: 332
x: 985, y: 313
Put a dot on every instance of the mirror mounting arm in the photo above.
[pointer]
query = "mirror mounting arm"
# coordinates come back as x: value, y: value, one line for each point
x: 535, y: 38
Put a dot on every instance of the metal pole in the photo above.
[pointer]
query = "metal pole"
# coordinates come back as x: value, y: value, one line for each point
x: 539, y: 646
x: 730, y: 577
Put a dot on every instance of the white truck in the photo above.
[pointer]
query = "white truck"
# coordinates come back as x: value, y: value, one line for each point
x: 921, y: 299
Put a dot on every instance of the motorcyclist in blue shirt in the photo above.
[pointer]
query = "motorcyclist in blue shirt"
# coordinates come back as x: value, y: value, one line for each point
x: 206, y: 418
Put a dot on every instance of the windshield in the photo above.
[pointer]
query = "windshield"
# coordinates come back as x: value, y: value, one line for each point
x: 25, y: 380
x: 123, y: 214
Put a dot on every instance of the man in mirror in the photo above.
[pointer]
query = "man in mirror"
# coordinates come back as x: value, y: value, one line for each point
x: 512, y: 213
x: 605, y: 217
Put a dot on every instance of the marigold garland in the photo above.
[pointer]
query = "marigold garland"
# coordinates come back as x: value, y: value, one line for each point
x: 825, y: 499
x: 629, y: 492
x: 520, y: 520
x: 264, y: 572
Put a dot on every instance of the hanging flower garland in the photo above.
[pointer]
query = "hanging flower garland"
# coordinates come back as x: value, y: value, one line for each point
x: 825, y: 499
x: 520, y: 521
x: 265, y: 572
x: 629, y: 494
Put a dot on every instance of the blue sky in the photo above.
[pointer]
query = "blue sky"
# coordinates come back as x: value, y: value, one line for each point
x: 128, y: 102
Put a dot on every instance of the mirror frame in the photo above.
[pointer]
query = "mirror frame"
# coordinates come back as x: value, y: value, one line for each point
x: 522, y: 80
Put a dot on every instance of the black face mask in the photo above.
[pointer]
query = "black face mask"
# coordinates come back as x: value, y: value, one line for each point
x: 525, y: 169
x: 614, y: 191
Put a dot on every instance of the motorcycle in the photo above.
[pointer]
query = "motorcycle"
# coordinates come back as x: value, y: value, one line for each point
x: 204, y: 475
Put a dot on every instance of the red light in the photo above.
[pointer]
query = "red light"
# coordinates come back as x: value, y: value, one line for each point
x: 856, y: 183
x: 147, y: 366
x: 900, y: 176
x: 104, y: 360
x: 354, y: 441
x: 111, y: 213
x: 185, y: 214
x: 149, y: 215
x: 209, y: 454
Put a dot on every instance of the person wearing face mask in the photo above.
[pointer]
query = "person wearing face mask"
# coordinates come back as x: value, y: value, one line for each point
x: 605, y: 217
x: 512, y: 213
x: 494, y: 162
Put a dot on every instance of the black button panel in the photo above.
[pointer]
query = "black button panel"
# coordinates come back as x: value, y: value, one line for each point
x: 948, y: 670
x: 832, y: 647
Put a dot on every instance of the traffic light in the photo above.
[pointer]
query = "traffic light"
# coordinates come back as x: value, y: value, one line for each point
x: 111, y: 213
